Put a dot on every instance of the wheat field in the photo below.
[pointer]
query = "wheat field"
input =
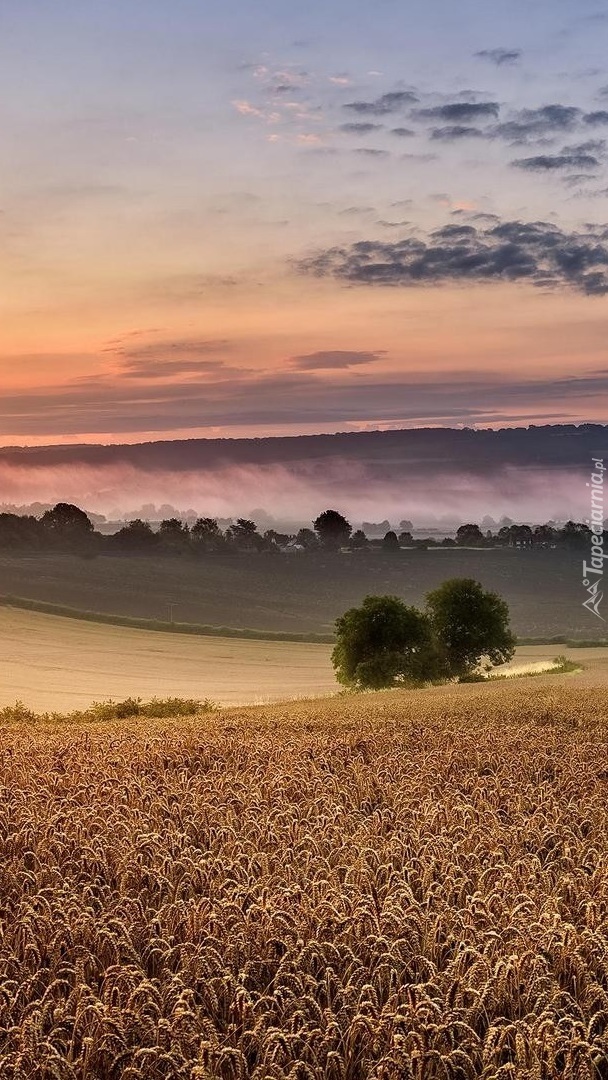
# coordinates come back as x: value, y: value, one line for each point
x: 383, y: 886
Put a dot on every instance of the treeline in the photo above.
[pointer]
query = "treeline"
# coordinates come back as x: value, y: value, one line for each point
x: 67, y: 528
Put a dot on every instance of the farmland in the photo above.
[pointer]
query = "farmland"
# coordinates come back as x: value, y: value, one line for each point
x: 380, y: 886
x: 303, y: 594
x: 59, y: 664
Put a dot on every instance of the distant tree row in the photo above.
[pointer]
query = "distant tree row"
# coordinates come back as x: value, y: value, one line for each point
x: 67, y: 528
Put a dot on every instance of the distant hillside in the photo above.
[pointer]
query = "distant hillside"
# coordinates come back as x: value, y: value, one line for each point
x: 386, y: 453
x: 424, y: 475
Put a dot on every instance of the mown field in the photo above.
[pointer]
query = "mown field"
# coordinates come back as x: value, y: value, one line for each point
x: 372, y: 887
x: 58, y: 664
x: 303, y: 594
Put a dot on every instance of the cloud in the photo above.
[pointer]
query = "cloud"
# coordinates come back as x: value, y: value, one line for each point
x: 403, y: 132
x: 184, y: 346
x: 557, y: 162
x: 362, y: 128
x: 534, y: 123
x: 393, y: 224
x: 370, y: 151
x: 168, y: 369
x: 293, y: 398
x: 538, y: 253
x: 500, y: 57
x: 454, y: 132
x: 461, y: 112
x: 356, y: 210
x: 590, y: 146
x: 387, y: 103
x: 334, y: 359
x: 168, y: 359
x: 595, y: 119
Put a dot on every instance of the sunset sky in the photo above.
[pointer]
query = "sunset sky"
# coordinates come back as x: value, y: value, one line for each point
x: 267, y: 218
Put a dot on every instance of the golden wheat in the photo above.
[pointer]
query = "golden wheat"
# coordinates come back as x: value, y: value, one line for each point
x: 385, y: 886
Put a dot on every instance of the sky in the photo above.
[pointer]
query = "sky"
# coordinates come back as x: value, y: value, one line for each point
x: 271, y: 218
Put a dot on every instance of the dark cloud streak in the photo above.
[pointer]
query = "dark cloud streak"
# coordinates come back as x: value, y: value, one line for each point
x: 460, y: 112
x: 382, y: 106
x: 362, y: 128
x: 557, y: 162
x: 500, y: 57
x: 334, y: 359
x: 455, y: 132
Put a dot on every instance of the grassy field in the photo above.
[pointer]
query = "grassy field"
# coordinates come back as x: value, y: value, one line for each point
x: 57, y: 664
x: 301, y: 594
x: 374, y: 887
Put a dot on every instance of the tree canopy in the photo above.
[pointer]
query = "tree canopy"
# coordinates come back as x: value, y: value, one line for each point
x: 469, y: 623
x: 332, y: 528
x: 383, y: 643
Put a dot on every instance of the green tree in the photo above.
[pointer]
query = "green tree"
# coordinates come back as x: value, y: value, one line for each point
x: 383, y: 643
x: 207, y: 535
x: 332, y: 529
x: 390, y: 541
x: 359, y: 540
x: 469, y: 624
x: 173, y: 535
x: 469, y: 536
x: 575, y: 536
x: 135, y: 537
x: 307, y: 539
x: 68, y: 528
x: 67, y: 521
x: 244, y: 535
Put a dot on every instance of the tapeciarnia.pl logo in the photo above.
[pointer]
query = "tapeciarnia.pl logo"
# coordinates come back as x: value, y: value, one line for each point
x: 593, y: 571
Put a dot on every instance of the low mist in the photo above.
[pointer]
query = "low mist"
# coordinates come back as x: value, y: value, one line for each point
x: 295, y: 495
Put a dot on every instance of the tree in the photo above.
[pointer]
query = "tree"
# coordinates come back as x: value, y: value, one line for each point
x: 332, y: 529
x: 244, y: 535
x: 67, y: 521
x: 20, y: 532
x: 390, y: 542
x: 136, y: 537
x: 469, y: 536
x: 307, y: 539
x: 359, y: 541
x: 544, y: 536
x: 206, y: 534
x: 174, y: 535
x: 69, y: 528
x: 575, y: 536
x: 521, y: 535
x: 276, y: 539
x: 469, y: 624
x: 383, y: 643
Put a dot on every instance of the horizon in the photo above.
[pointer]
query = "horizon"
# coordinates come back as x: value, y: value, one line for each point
x: 301, y: 435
